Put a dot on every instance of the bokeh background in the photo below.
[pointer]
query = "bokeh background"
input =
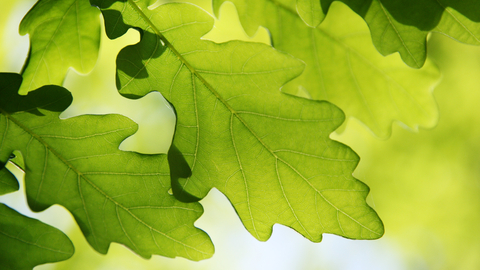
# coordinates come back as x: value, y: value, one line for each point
x: 425, y: 185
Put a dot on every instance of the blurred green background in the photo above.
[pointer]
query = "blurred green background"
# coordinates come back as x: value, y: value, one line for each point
x: 425, y: 185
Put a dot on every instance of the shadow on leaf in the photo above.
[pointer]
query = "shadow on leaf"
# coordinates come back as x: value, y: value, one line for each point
x: 132, y: 59
x: 425, y: 15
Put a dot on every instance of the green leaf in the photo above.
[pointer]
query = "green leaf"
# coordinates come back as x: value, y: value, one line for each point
x: 343, y: 67
x: 267, y: 151
x: 63, y: 34
x: 8, y: 182
x: 403, y: 26
x: 311, y: 12
x: 27, y: 242
x: 115, y: 196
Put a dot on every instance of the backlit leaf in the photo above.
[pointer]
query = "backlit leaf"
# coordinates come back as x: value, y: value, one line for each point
x: 343, y: 67
x: 8, y: 182
x: 310, y: 11
x: 63, y: 34
x: 27, y: 242
x: 403, y: 26
x: 267, y: 151
x: 115, y: 196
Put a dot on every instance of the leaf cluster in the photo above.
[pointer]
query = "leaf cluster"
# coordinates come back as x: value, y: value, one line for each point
x: 267, y: 150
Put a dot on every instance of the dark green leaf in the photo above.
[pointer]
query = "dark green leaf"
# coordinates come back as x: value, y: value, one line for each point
x: 8, y: 182
x: 26, y: 242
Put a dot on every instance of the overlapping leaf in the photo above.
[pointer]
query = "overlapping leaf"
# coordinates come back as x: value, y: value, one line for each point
x: 403, y: 26
x: 343, y: 67
x: 115, y: 196
x: 267, y: 151
x: 27, y: 242
x: 63, y: 34
x: 8, y: 182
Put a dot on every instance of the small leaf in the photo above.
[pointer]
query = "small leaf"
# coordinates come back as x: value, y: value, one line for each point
x: 115, y: 196
x: 343, y: 67
x: 403, y: 26
x: 26, y: 242
x: 63, y: 34
x: 267, y: 151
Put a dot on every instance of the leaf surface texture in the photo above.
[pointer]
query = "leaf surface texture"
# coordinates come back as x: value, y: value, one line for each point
x: 267, y: 151
x: 114, y: 196
x: 63, y: 34
x: 27, y: 242
x: 8, y: 182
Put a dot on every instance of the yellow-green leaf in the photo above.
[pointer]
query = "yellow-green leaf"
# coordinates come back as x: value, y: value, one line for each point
x: 27, y: 242
x: 115, y: 196
x: 267, y: 151
x: 63, y: 34
x: 343, y: 66
x: 403, y: 26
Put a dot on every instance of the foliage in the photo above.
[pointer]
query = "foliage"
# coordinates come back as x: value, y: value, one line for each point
x: 403, y: 26
x: 63, y: 34
x: 21, y: 235
x: 374, y: 89
x: 267, y: 150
